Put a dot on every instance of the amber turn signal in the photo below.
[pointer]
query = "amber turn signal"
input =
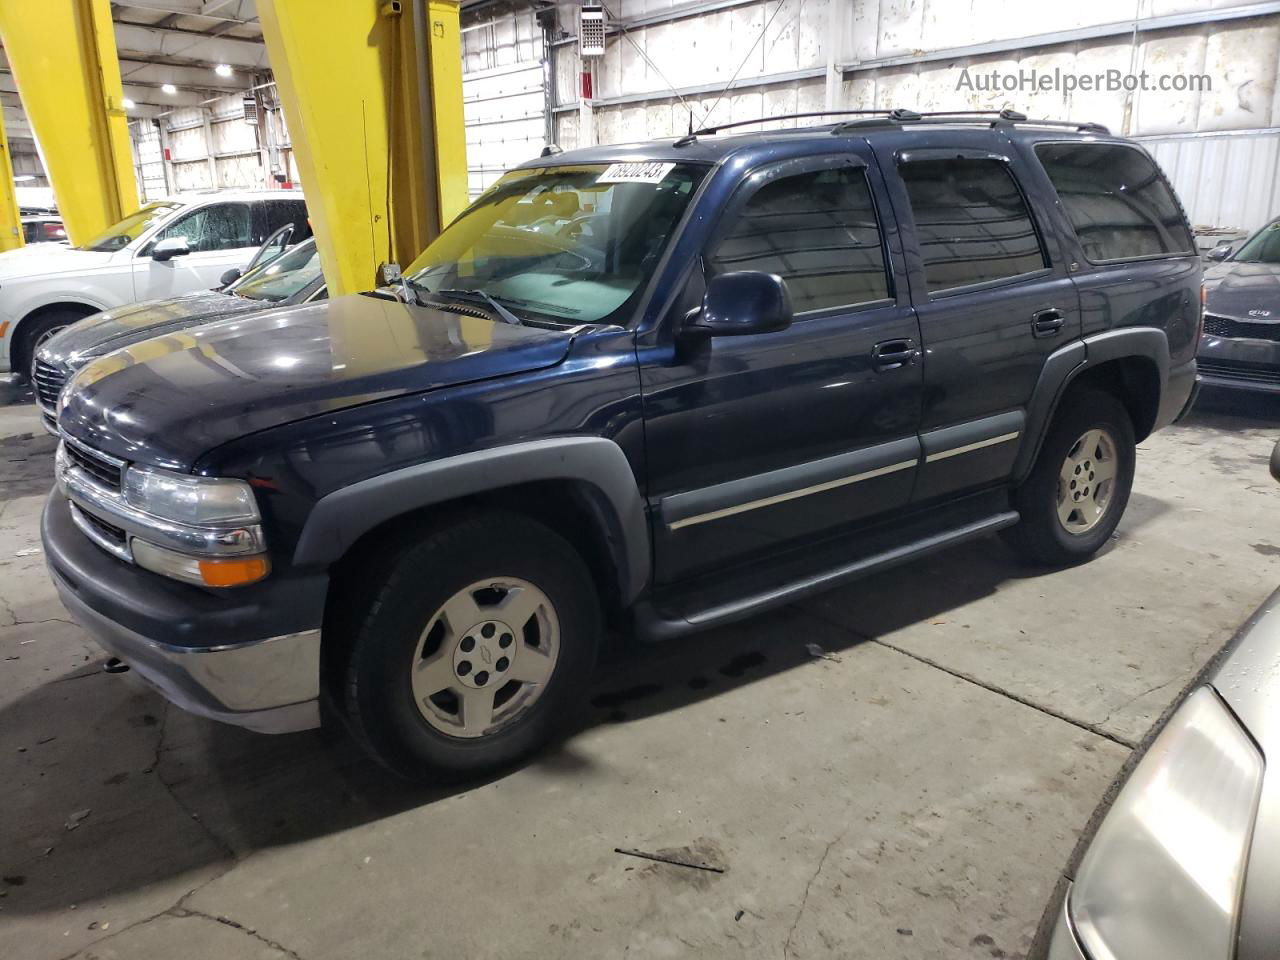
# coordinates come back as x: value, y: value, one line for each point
x: 234, y: 571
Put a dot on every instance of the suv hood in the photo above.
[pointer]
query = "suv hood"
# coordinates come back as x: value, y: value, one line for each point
x: 1236, y: 288
x: 42, y: 259
x: 168, y: 400
x: 120, y: 327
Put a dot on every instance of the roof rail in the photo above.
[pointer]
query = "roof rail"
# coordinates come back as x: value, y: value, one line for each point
x: 998, y: 118
x: 900, y: 115
x: 707, y: 131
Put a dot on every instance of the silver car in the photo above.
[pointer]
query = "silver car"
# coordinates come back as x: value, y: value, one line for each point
x: 1184, y: 864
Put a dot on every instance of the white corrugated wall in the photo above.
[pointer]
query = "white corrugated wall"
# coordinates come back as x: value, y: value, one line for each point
x: 1225, y: 180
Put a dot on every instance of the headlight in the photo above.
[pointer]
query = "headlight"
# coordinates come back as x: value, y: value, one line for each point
x: 187, y: 499
x: 1162, y: 877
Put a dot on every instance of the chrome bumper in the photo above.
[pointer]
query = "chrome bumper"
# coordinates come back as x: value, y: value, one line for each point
x: 1063, y: 944
x: 271, y: 685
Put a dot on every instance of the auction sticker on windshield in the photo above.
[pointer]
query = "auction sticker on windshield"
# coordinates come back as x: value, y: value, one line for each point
x: 635, y: 172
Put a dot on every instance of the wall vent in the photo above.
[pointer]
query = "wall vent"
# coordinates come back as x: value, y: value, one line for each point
x: 591, y: 31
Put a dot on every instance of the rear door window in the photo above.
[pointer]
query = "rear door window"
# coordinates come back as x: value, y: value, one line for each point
x: 818, y: 232
x: 1118, y: 201
x: 280, y: 212
x: 972, y: 223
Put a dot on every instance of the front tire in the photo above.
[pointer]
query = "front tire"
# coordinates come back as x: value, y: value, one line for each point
x: 1077, y: 491
x: 474, y: 650
x: 32, y: 335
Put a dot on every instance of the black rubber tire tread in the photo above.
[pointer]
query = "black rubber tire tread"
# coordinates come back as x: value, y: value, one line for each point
x: 1039, y: 536
x: 415, y: 582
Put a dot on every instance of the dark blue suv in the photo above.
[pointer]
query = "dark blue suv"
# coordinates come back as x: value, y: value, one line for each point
x: 654, y: 387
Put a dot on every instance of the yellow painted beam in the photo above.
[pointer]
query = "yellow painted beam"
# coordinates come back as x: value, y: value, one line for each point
x: 445, y: 60
x: 348, y: 76
x: 63, y: 57
x: 10, y: 215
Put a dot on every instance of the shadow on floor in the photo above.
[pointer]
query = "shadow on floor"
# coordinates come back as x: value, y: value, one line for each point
x: 118, y: 752
x: 1233, y: 410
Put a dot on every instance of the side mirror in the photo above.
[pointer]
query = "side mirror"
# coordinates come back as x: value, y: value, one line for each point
x: 169, y: 248
x: 741, y: 303
x: 230, y: 277
x: 1220, y: 252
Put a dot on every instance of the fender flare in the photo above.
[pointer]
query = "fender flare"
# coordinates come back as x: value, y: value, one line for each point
x: 1063, y: 366
x: 339, y: 519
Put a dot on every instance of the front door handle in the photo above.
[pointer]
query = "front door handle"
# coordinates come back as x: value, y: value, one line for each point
x: 893, y: 354
x: 1047, y: 323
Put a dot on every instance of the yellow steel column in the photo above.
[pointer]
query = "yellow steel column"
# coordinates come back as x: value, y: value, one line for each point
x: 10, y: 220
x: 63, y: 57
x: 445, y: 60
x: 349, y: 81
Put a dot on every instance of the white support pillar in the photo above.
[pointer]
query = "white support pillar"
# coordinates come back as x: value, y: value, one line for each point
x: 837, y: 21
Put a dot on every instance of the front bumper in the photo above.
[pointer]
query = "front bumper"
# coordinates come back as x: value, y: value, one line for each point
x: 1063, y: 944
x: 1240, y: 364
x: 249, y: 656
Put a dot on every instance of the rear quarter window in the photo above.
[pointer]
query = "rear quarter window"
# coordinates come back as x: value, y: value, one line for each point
x: 1117, y: 200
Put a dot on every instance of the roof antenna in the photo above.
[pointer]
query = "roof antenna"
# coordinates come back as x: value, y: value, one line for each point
x: 690, y: 123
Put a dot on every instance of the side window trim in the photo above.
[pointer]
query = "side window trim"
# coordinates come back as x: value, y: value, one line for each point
x: 1177, y: 202
x: 943, y: 153
x: 758, y: 177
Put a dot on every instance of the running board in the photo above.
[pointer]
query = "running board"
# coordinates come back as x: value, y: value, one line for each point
x: 655, y: 625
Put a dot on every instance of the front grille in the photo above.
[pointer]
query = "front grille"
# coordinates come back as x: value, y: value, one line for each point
x: 1229, y: 371
x: 105, y: 530
x: 48, y: 383
x: 106, y: 472
x: 1216, y: 326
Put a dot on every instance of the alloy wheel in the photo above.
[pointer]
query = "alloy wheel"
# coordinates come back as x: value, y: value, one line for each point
x: 485, y: 657
x: 1086, y: 481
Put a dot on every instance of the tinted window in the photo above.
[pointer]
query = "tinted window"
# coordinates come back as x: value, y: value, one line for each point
x: 815, y: 230
x: 1263, y: 246
x: 280, y: 212
x: 971, y: 222
x: 1117, y: 200
x: 220, y: 226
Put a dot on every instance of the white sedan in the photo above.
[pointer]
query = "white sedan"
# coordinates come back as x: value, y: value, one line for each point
x: 167, y: 248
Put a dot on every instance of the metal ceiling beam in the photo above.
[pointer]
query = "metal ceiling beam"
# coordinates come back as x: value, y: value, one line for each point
x: 148, y: 41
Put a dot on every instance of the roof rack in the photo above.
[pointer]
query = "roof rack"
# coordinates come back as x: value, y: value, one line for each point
x: 898, y: 116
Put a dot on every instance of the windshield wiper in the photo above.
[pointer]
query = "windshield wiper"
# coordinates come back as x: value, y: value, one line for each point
x: 503, y: 313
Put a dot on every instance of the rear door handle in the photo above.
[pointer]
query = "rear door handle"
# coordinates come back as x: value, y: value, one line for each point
x: 892, y: 354
x: 1047, y: 323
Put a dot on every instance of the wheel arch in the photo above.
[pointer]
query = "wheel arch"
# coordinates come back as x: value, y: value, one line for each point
x: 81, y: 307
x: 1132, y: 362
x: 583, y: 487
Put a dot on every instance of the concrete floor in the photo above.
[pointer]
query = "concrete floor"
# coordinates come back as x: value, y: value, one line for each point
x: 911, y: 793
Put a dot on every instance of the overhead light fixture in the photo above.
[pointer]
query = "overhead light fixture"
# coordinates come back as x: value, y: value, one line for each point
x: 168, y: 88
x: 222, y: 70
x: 24, y: 177
x: 128, y: 104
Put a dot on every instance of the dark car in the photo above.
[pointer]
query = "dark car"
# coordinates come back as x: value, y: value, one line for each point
x: 774, y: 362
x: 1241, y: 343
x: 287, y: 278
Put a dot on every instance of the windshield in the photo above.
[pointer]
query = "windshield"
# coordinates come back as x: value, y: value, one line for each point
x: 282, y: 277
x: 130, y: 228
x: 1263, y: 246
x: 569, y: 244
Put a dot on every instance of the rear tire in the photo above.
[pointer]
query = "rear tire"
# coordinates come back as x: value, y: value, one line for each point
x: 33, y: 332
x: 473, y: 650
x: 1076, y: 493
